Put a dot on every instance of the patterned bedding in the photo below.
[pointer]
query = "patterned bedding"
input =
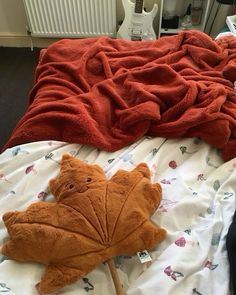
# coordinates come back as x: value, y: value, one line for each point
x: 196, y: 210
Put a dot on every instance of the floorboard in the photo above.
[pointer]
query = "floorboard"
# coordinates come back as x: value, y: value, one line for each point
x: 17, y: 68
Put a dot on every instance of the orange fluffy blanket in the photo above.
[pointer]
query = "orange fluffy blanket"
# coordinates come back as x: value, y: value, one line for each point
x: 109, y: 93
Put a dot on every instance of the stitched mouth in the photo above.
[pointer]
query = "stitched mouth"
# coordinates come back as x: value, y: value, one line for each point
x: 83, y: 189
x: 62, y: 194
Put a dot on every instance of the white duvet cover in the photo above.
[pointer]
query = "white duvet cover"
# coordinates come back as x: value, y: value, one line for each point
x: 196, y: 210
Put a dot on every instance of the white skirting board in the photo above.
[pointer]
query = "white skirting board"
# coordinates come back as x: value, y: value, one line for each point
x: 16, y: 40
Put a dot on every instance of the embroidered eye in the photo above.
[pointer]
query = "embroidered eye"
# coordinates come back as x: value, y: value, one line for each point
x: 89, y: 179
x: 71, y: 186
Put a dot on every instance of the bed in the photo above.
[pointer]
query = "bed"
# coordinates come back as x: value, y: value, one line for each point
x: 170, y: 103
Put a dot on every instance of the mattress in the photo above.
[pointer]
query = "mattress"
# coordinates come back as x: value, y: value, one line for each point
x: 196, y: 210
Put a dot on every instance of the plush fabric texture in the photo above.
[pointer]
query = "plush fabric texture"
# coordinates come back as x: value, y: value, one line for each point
x: 110, y: 92
x: 92, y: 220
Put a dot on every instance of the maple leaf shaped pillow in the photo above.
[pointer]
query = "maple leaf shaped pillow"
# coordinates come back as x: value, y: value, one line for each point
x: 92, y: 220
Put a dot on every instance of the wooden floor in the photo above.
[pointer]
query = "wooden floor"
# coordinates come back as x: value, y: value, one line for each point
x: 17, y: 67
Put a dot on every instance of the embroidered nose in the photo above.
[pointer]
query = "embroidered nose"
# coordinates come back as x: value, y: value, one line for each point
x: 83, y: 189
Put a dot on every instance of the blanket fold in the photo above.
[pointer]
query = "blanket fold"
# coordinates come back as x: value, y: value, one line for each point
x: 110, y: 92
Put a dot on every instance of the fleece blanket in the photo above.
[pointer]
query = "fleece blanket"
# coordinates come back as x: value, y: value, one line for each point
x: 108, y: 92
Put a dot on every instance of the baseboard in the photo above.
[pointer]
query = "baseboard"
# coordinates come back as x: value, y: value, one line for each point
x: 14, y: 41
x: 24, y: 41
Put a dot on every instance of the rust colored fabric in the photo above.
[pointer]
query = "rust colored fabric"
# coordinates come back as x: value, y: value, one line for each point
x: 92, y: 220
x: 109, y: 92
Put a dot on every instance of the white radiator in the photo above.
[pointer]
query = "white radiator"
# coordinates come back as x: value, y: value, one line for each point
x: 71, y: 18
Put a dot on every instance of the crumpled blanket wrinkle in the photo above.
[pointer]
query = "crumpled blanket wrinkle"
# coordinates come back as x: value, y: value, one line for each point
x: 109, y: 92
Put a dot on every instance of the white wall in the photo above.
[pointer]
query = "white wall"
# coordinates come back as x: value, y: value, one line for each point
x: 13, y: 22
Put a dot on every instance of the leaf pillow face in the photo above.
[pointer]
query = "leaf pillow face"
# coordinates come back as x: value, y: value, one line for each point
x: 75, y: 177
x: 92, y: 220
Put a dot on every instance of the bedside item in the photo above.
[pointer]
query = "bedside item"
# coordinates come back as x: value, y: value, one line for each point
x: 169, y: 9
x: 196, y: 12
x: 187, y: 20
x: 170, y: 23
x: 169, y: 20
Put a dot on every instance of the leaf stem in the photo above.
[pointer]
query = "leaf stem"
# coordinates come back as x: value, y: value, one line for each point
x: 115, y: 277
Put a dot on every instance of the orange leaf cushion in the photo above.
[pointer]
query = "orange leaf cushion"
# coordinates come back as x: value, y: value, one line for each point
x: 92, y: 220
